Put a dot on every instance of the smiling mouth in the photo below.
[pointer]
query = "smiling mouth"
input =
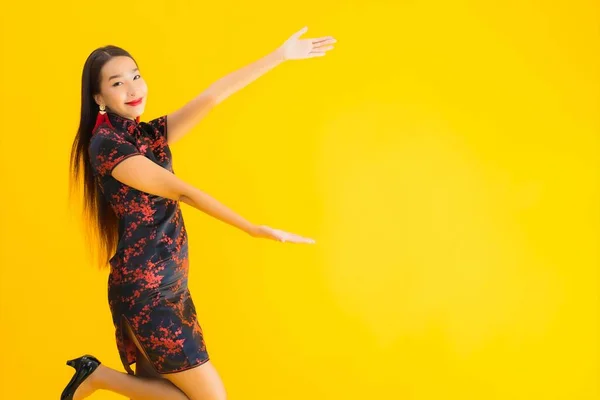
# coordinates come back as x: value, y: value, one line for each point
x: 135, y: 102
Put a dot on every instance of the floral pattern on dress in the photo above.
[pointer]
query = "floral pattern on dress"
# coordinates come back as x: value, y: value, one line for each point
x: 147, y: 283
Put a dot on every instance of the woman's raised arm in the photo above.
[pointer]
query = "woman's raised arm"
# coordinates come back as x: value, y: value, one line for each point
x: 181, y: 121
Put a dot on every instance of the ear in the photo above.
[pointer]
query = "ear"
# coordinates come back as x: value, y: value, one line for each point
x: 98, y: 99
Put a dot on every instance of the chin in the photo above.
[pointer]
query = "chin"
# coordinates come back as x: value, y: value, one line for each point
x: 138, y: 111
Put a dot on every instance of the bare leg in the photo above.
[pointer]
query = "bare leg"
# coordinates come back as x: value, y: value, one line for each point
x: 133, y: 387
x: 146, y: 385
x: 137, y: 388
x: 200, y: 383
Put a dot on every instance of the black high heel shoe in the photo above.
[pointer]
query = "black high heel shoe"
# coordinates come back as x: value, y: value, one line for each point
x: 84, y: 366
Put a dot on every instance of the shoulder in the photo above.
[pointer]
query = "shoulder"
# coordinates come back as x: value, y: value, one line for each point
x: 108, y: 140
x: 156, y: 128
x: 107, y: 134
x: 105, y: 130
x: 156, y: 123
x: 108, y: 147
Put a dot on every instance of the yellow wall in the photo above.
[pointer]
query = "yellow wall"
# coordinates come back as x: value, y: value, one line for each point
x: 444, y: 156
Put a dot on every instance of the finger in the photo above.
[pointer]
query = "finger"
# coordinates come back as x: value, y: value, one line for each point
x: 313, y: 54
x: 321, y: 49
x: 305, y: 240
x: 300, y: 32
x: 324, y: 42
x: 300, y: 239
x: 323, y: 39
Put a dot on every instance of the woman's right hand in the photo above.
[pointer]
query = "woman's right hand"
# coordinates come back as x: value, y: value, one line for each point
x: 266, y: 232
x: 295, y: 48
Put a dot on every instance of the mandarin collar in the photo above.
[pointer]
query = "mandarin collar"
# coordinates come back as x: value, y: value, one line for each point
x: 126, y: 124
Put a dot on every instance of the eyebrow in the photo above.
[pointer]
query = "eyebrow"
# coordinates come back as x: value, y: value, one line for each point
x: 118, y: 75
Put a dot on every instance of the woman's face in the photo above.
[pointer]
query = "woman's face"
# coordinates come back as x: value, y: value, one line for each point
x: 121, y: 83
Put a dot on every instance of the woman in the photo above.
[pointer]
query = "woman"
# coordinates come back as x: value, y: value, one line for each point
x: 133, y: 195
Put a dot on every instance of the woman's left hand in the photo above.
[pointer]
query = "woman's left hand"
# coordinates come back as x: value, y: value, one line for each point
x: 266, y: 232
x: 297, y: 49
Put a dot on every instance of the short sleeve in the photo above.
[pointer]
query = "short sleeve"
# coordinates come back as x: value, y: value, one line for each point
x: 158, y: 128
x: 107, y: 150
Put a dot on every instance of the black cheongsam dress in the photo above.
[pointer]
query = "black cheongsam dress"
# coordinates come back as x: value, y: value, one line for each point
x: 147, y: 283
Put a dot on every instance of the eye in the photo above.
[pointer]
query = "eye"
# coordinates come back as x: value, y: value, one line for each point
x: 116, y: 83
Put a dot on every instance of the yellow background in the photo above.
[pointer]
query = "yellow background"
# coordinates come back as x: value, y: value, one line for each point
x: 444, y: 156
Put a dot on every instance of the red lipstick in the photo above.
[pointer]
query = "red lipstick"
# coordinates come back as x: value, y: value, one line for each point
x: 135, y: 102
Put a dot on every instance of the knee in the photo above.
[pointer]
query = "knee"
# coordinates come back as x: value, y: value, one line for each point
x: 218, y: 394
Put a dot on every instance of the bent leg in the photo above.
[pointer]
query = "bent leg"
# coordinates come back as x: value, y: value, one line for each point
x: 147, y: 384
x: 199, y: 383
x: 143, y: 386
x: 134, y: 387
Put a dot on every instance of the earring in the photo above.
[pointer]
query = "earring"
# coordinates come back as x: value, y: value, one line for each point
x: 102, y: 118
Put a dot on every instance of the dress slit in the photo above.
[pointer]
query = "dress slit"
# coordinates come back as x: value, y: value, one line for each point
x: 126, y: 332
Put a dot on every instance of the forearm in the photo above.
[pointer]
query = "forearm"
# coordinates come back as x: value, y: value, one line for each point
x: 181, y: 121
x: 241, y: 78
x: 209, y: 205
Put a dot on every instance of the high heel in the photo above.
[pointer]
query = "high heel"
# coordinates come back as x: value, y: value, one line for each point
x: 84, y: 366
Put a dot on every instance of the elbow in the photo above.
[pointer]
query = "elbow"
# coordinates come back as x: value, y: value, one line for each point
x: 183, y: 192
x: 209, y: 99
x: 177, y: 195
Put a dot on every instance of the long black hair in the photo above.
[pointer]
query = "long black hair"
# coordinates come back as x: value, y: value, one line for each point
x: 96, y: 209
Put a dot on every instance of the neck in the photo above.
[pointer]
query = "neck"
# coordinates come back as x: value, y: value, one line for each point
x: 122, y: 116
